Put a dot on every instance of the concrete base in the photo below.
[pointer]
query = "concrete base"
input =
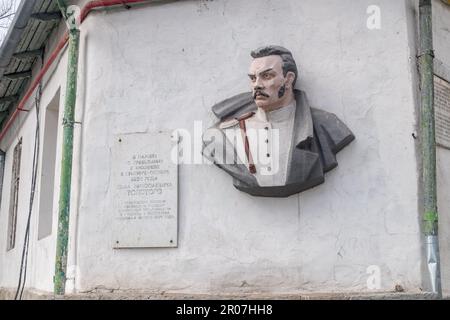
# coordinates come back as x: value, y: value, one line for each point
x: 111, y: 294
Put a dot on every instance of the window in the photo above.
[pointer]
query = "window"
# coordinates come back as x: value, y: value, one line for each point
x: 15, y: 177
x: 46, y: 190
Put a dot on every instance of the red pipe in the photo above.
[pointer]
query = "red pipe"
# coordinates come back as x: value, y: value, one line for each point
x: 84, y: 13
x: 35, y: 83
x: 107, y: 3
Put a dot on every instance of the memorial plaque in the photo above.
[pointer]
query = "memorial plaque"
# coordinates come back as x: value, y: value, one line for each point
x: 145, y: 190
x: 442, y: 111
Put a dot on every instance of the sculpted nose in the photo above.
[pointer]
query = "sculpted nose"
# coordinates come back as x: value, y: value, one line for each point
x: 258, y: 84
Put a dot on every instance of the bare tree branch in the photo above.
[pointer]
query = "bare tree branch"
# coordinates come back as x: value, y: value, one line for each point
x: 6, y: 8
x: 7, y: 12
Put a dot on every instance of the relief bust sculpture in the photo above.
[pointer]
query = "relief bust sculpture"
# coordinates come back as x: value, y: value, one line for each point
x: 270, y: 140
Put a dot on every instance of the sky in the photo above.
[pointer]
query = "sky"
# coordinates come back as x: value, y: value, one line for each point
x: 7, y: 17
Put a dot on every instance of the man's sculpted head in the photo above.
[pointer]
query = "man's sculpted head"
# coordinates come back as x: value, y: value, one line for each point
x: 273, y: 74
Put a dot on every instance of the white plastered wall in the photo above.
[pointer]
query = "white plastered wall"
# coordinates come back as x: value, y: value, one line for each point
x: 161, y: 67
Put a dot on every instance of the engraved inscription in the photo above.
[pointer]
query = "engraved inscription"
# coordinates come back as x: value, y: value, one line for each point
x: 145, y: 184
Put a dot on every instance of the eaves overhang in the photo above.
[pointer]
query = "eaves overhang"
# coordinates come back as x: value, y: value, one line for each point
x: 23, y: 45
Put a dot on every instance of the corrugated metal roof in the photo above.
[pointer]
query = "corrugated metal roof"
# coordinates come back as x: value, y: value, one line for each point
x: 33, y: 37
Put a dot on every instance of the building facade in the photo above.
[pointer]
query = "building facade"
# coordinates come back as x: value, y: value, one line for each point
x: 160, y: 66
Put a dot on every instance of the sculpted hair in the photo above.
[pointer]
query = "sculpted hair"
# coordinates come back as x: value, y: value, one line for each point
x: 285, y: 54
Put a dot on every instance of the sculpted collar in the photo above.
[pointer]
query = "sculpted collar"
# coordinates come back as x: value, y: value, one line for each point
x: 280, y: 115
x: 236, y: 106
x: 303, y: 124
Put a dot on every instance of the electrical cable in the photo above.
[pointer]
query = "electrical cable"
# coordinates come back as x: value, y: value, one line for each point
x: 24, y: 260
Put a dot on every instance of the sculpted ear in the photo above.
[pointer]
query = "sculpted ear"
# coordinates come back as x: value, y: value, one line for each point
x: 290, y: 77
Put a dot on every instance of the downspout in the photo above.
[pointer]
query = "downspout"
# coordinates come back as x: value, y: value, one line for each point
x: 68, y: 122
x: 428, y: 145
x: 67, y: 152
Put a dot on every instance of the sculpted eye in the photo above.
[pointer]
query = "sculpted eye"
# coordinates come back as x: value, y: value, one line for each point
x: 267, y: 76
x: 252, y: 78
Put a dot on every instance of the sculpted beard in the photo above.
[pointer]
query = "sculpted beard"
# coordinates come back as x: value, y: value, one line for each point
x: 282, y: 91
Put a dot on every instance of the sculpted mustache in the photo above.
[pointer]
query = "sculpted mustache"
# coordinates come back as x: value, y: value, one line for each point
x: 261, y: 93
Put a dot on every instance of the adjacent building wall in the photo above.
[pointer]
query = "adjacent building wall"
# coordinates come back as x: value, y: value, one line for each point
x: 441, y: 38
x: 41, y: 255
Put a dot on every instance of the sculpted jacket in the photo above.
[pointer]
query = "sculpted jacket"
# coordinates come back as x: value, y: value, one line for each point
x: 318, y: 137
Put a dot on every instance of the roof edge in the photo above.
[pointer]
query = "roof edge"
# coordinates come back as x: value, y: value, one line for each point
x: 13, y: 37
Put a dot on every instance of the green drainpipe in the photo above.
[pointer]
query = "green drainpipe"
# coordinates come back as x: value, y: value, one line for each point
x: 67, y: 151
x: 428, y: 145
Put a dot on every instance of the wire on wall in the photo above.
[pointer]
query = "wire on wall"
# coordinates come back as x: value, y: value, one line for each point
x: 24, y: 260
